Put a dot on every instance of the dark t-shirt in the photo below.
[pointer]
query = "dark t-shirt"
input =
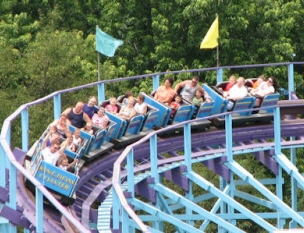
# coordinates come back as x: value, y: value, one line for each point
x: 76, y: 119
x: 90, y: 110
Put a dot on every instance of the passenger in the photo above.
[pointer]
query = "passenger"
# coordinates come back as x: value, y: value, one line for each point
x: 231, y: 82
x: 175, y: 105
x: 127, y: 112
x: 112, y: 106
x: 62, y: 125
x: 256, y: 84
x: 165, y: 93
x: 77, y: 140
x: 127, y: 95
x: 63, y: 162
x: 100, y: 119
x: 51, y: 136
x: 89, y: 128
x: 200, y: 97
x: 140, y: 106
x: 51, y: 154
x: 68, y: 144
x: 90, y: 107
x: 236, y: 92
x: 188, y: 88
x: 76, y: 115
x: 265, y: 88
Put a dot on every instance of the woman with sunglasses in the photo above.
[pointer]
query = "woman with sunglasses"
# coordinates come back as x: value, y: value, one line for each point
x: 265, y: 88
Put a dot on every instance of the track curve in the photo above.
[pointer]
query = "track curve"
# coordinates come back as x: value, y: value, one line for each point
x: 95, y: 177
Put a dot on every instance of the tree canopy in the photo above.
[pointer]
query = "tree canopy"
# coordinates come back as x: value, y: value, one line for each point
x: 50, y: 45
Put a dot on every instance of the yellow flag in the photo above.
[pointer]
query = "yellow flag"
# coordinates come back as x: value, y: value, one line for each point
x: 210, y: 40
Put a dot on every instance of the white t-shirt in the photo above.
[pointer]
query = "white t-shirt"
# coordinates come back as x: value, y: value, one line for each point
x: 76, y: 141
x: 237, y: 92
x: 50, y: 157
x: 140, y: 108
x: 264, y: 89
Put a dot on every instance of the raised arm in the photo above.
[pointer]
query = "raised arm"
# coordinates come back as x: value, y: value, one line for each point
x: 180, y: 85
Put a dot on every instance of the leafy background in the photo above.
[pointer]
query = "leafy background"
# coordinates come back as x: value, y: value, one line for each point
x: 47, y: 45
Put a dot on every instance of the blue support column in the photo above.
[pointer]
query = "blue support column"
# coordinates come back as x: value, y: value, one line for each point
x: 153, y: 158
x: 187, y: 146
x: 228, y: 127
x: 125, y: 223
x: 188, y: 153
x: 279, y: 178
x: 116, y: 209
x: 101, y: 92
x: 2, y: 166
x: 12, y: 178
x: 277, y: 130
x: 39, y: 211
x: 219, y: 75
x: 154, y: 174
x: 223, y: 205
x: 290, y: 80
x: 294, y: 186
x: 189, y: 196
x: 130, y: 167
x: 25, y: 129
x: 12, y: 187
x: 229, y: 135
x: 57, y: 106
x: 155, y: 82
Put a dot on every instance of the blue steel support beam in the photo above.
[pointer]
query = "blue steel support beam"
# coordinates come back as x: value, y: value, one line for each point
x: 188, y: 150
x: 153, y: 158
x: 167, y: 209
x: 2, y: 167
x: 39, y: 211
x: 57, y: 106
x: 187, y: 146
x: 185, y: 202
x: 155, y: 82
x: 169, y: 218
x: 218, y: 204
x: 25, y: 129
x: 219, y: 75
x: 290, y: 80
x: 294, y: 186
x: 279, y: 178
x: 203, y: 183
x: 290, y: 168
x: 245, y: 175
x: 12, y: 187
x: 130, y: 166
x: 101, y: 92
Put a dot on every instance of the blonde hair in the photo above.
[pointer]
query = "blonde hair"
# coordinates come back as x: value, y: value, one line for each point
x: 62, y: 158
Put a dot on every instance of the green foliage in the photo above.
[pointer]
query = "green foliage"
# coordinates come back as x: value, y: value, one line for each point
x: 50, y: 45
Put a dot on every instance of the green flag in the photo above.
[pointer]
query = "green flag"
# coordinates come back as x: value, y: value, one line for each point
x: 106, y: 44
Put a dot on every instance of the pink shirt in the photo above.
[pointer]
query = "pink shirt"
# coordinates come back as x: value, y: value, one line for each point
x: 100, y: 121
x: 111, y: 108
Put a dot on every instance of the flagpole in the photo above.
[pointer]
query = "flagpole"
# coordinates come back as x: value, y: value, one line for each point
x: 217, y: 56
x: 98, y: 64
x: 217, y: 48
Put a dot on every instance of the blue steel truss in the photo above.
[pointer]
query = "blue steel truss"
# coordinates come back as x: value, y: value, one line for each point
x: 127, y: 208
